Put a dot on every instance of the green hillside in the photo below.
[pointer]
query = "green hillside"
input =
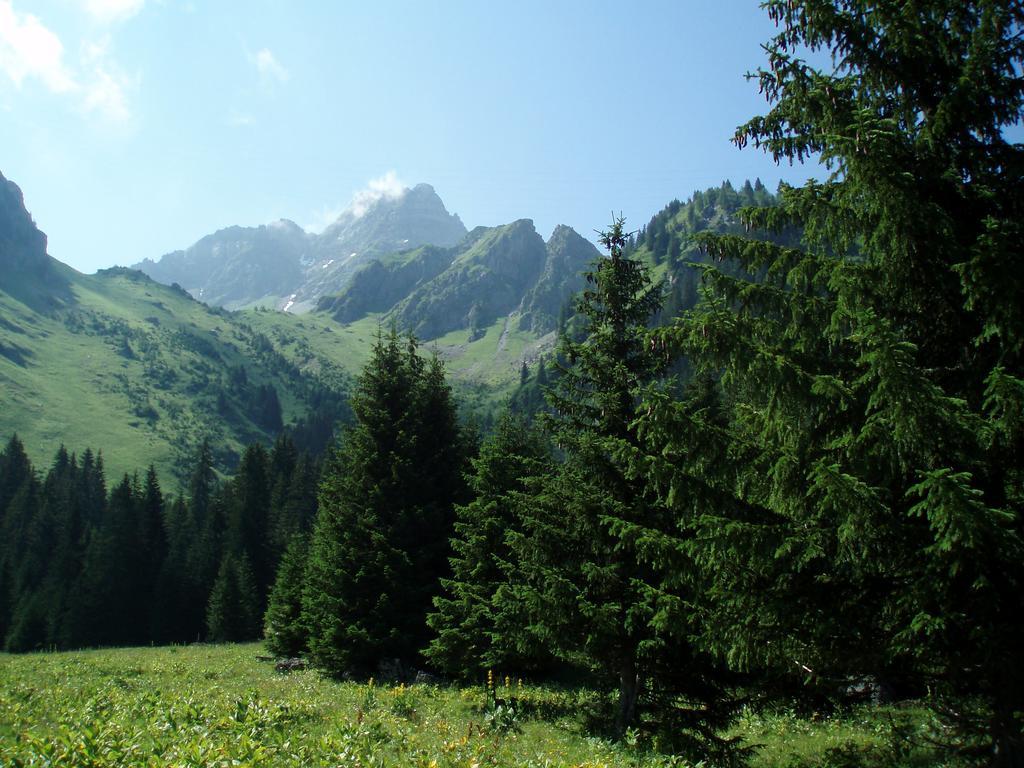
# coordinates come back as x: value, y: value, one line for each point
x: 487, y: 361
x: 144, y: 373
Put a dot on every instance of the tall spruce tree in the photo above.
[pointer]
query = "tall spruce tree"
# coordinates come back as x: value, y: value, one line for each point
x: 152, y: 538
x: 233, y: 610
x: 104, y: 611
x: 16, y: 475
x: 480, y: 625
x: 194, y: 529
x: 855, y: 495
x: 283, y: 626
x: 385, y: 514
x: 247, y: 504
x: 597, y: 596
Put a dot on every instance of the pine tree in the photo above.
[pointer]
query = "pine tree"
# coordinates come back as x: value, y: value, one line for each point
x: 283, y: 458
x: 479, y: 626
x: 152, y: 550
x: 104, y: 611
x: 15, y: 471
x: 232, y: 612
x: 24, y: 540
x: 597, y: 593
x: 171, y: 614
x: 16, y: 476
x: 194, y: 529
x: 380, y: 540
x: 247, y: 503
x: 854, y: 498
x: 73, y: 499
x: 283, y: 628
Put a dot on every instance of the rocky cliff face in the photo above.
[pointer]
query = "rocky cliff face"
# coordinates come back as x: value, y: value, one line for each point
x: 401, y: 255
x: 237, y: 265
x: 379, y: 285
x: 568, y: 257
x: 486, y: 279
x: 494, y: 272
x: 294, y: 269
x: 22, y: 245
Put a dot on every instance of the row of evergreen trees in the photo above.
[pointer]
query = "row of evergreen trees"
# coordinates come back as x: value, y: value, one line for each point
x: 837, y: 490
x: 81, y: 567
x: 833, y: 492
x: 530, y: 567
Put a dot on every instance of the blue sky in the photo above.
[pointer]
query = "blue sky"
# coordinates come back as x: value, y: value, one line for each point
x: 135, y: 127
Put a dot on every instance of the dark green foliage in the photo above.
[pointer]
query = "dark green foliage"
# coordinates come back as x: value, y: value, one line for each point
x: 232, y: 613
x: 851, y: 488
x: 315, y: 432
x: 478, y: 622
x: 293, y: 494
x: 105, y: 607
x: 16, y: 477
x: 78, y: 568
x: 248, y: 502
x: 152, y: 543
x: 196, y: 542
x: 528, y: 399
x: 597, y: 594
x: 380, y: 541
x: 619, y: 604
x: 267, y: 409
x: 283, y: 628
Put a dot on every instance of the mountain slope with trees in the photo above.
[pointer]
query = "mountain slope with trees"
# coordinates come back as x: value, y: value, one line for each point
x: 142, y: 369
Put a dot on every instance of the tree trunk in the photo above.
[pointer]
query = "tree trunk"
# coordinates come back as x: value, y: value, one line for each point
x: 629, y: 690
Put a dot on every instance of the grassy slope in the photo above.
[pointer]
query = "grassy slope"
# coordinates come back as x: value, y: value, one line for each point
x: 218, y: 705
x: 489, y: 364
x: 76, y: 384
x: 73, y: 385
x: 66, y: 377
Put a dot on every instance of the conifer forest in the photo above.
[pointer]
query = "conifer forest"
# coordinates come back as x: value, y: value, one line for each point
x: 768, y: 474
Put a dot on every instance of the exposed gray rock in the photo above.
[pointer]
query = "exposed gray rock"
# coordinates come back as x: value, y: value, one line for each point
x: 487, y: 278
x: 568, y: 256
x: 22, y: 245
x: 237, y: 266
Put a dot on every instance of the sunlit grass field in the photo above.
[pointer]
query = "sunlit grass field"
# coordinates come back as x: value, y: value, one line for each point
x: 221, y: 706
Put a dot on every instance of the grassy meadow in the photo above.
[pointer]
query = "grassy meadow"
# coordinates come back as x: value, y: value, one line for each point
x: 207, y: 705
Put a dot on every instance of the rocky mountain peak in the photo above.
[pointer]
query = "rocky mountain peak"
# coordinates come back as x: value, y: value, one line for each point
x: 283, y: 264
x: 22, y: 245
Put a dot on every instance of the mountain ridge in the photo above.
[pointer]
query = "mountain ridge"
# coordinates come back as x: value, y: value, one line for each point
x: 494, y: 272
x: 283, y: 266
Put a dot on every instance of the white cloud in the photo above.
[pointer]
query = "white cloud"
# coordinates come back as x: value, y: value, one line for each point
x: 269, y: 67
x: 387, y: 186
x: 29, y: 50
x: 106, y: 85
x: 110, y: 11
x: 105, y: 95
